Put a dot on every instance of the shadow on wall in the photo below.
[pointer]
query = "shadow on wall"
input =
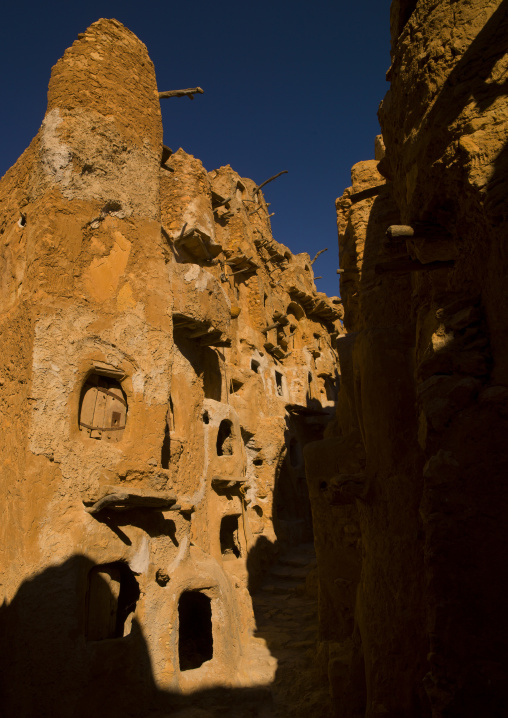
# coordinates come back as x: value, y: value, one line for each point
x: 70, y: 643
x: 48, y: 667
x: 469, y: 80
x: 70, y: 646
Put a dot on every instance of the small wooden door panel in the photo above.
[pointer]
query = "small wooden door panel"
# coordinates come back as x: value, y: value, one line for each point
x: 103, y: 410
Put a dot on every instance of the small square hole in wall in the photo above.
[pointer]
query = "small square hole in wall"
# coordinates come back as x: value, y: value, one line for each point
x: 236, y: 385
x: 229, y: 540
x: 195, y: 636
x: 278, y: 382
x: 240, y: 190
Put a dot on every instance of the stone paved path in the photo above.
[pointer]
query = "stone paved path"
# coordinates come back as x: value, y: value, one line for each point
x: 285, y: 607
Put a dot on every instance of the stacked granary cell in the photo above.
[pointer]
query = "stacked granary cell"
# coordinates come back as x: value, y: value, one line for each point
x: 168, y: 368
x: 164, y: 362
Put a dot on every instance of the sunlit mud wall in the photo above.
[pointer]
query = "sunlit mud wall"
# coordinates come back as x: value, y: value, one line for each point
x: 412, y: 475
x: 164, y: 361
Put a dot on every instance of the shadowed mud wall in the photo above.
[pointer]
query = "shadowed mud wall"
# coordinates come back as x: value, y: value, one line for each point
x: 412, y: 473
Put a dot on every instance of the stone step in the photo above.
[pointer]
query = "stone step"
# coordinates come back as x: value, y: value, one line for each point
x: 290, y: 572
x: 297, y: 644
x: 298, y: 560
x: 279, y: 587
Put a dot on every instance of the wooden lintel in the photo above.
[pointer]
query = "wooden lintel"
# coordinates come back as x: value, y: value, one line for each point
x: 123, y: 500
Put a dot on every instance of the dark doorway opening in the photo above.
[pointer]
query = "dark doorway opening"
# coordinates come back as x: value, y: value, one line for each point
x: 229, y: 539
x: 225, y: 439
x: 195, y: 639
x: 212, y: 377
x: 166, y: 449
x: 111, y: 597
x: 278, y: 381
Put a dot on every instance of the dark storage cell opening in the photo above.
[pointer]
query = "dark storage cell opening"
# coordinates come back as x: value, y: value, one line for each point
x: 111, y: 597
x: 102, y: 408
x: 278, y: 381
x: 254, y: 365
x: 212, y: 377
x: 229, y: 539
x: 225, y: 439
x: 330, y: 389
x: 166, y: 442
x: 236, y: 385
x: 206, y: 418
x: 195, y: 638
x: 165, y: 451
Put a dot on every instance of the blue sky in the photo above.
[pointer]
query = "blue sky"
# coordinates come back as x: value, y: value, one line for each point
x: 288, y: 86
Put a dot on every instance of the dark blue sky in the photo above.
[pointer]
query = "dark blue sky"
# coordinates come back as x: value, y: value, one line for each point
x: 288, y: 86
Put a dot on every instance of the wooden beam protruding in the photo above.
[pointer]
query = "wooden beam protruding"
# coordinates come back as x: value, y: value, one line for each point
x: 404, y: 231
x: 189, y: 92
x: 419, y: 231
x: 270, y: 179
x: 317, y: 255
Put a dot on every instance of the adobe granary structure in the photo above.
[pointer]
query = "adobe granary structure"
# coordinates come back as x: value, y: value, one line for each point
x: 168, y: 368
x: 413, y: 478
x: 164, y: 361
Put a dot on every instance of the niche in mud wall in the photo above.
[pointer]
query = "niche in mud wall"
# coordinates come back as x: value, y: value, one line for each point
x: 278, y: 383
x: 295, y: 314
x: 166, y: 442
x: 195, y: 635
x: 212, y: 377
x: 112, y: 594
x: 229, y: 537
x: 102, y: 408
x: 225, y: 438
x: 327, y: 388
